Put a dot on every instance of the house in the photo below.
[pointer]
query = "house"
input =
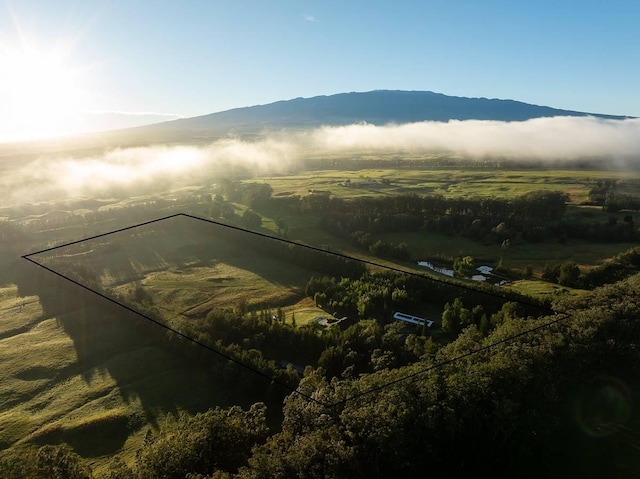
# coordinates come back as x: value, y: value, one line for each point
x: 486, y: 270
x: 407, y: 318
x: 324, y: 321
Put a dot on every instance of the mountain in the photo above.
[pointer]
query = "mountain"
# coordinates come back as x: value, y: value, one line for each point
x: 376, y: 107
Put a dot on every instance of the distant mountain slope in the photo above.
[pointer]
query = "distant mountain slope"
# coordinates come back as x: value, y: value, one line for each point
x: 376, y: 107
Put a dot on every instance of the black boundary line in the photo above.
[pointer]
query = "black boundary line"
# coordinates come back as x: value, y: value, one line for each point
x: 156, y: 322
x: 182, y: 335
x: 273, y: 379
x: 26, y: 256
x: 373, y: 263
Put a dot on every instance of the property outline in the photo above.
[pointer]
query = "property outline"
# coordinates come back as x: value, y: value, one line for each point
x: 437, y: 364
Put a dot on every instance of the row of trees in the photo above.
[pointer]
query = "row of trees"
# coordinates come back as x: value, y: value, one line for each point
x: 536, y: 206
x: 604, y: 193
x: 619, y: 267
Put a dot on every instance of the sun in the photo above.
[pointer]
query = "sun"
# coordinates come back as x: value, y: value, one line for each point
x: 41, y: 93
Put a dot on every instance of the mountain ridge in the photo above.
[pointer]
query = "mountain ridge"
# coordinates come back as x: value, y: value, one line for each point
x: 386, y: 106
x: 377, y: 107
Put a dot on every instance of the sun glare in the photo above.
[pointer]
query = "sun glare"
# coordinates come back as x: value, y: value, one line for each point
x: 40, y: 93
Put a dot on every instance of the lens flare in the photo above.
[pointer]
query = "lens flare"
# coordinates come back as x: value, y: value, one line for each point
x: 602, y: 406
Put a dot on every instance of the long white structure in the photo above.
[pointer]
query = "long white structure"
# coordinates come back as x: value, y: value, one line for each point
x: 407, y: 318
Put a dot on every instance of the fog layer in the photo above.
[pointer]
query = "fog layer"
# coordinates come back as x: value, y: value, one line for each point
x: 616, y: 142
x: 541, y: 138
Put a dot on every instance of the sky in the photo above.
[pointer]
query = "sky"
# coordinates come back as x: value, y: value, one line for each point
x: 72, y: 65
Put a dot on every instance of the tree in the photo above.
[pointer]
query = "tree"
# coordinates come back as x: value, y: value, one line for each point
x: 528, y: 271
x: 220, y: 439
x: 61, y: 462
x: 463, y: 266
x: 551, y: 273
x: 569, y: 274
x: 251, y: 219
x: 450, y: 320
x: 456, y: 317
x: 283, y: 227
x: 256, y: 195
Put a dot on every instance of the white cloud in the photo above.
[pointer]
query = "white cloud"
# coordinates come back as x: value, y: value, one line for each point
x: 540, y: 138
x: 310, y: 18
x: 136, y: 169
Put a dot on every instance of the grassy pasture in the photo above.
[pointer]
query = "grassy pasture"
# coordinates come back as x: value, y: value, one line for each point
x: 90, y: 380
x: 451, y: 182
x: 543, y: 289
x: 185, y: 268
x: 96, y: 383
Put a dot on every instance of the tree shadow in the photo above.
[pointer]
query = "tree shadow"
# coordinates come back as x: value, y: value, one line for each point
x: 148, y: 364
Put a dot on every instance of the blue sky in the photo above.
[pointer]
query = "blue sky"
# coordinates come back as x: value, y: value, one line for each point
x: 192, y: 57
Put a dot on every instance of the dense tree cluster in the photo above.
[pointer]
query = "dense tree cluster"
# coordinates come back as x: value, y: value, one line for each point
x: 604, y: 193
x: 534, y: 217
x: 218, y: 440
x: 552, y: 401
x: 619, y: 267
x: 488, y: 219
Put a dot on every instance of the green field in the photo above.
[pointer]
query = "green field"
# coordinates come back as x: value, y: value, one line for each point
x: 450, y: 182
x: 185, y: 267
x: 92, y: 382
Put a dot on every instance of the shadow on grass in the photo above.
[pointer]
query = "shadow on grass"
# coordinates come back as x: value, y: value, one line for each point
x: 152, y: 370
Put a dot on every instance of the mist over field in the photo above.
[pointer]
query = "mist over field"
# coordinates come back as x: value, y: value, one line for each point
x: 140, y: 170
x: 539, y: 138
x: 616, y: 142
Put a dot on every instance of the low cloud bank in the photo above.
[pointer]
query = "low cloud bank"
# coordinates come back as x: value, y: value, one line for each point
x: 141, y: 170
x: 541, y: 138
x: 559, y: 138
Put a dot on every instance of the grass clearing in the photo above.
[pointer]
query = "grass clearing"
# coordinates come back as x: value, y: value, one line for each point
x: 16, y: 313
x: 184, y: 267
x: 91, y: 381
x: 542, y: 289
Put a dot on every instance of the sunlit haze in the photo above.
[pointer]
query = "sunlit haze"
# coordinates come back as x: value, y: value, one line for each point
x: 41, y: 94
x: 71, y: 65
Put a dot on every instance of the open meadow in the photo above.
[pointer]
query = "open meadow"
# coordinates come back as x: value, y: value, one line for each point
x: 186, y: 266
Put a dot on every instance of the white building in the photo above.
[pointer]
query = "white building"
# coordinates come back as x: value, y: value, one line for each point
x: 407, y: 318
